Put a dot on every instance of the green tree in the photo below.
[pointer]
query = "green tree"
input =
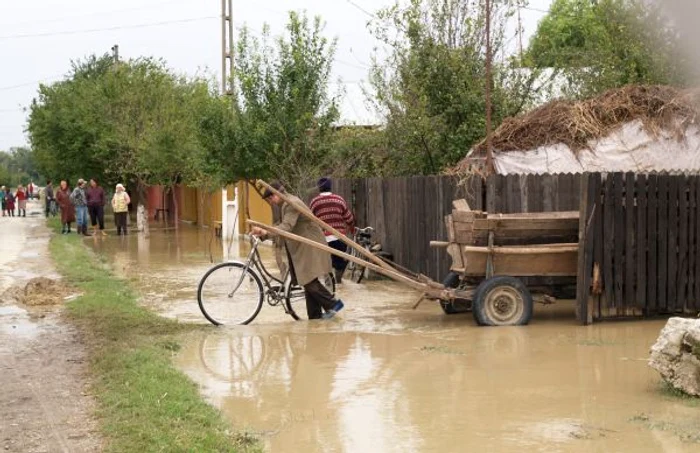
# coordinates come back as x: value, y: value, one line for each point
x: 284, y: 111
x: 431, y: 88
x: 601, y: 44
x: 17, y: 166
x: 67, y: 127
x: 133, y: 121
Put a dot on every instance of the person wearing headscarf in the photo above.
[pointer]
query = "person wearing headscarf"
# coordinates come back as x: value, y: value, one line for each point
x: 120, y: 206
x: 67, y: 209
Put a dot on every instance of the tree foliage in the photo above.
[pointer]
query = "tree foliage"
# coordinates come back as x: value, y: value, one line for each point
x: 17, y: 166
x: 284, y: 111
x: 431, y: 88
x: 603, y: 44
x: 133, y: 121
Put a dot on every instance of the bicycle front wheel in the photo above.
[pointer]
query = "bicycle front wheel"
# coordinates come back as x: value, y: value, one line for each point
x: 230, y: 294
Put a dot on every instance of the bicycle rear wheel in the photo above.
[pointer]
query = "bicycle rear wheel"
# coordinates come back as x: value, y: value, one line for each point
x: 358, y: 271
x: 230, y: 294
x: 295, y: 300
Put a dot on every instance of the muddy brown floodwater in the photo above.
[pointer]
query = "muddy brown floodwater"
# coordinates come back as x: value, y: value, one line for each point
x: 385, y: 378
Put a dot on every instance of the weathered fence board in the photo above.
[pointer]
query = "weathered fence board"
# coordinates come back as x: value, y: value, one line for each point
x: 644, y: 242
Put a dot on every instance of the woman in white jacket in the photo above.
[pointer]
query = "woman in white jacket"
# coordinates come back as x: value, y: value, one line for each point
x: 120, y: 206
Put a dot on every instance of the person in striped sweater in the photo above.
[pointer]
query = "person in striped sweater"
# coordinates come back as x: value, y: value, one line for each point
x: 332, y: 209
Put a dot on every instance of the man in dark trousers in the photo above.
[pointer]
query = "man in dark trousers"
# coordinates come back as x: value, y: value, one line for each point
x: 48, y: 193
x: 307, y: 263
x: 95, y: 197
x: 332, y: 209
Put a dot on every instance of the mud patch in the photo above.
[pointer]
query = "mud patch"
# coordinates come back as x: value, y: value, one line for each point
x: 686, y: 431
x: 39, y: 291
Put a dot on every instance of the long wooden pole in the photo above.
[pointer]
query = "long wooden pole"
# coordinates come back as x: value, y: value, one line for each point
x: 306, y: 212
x: 388, y: 273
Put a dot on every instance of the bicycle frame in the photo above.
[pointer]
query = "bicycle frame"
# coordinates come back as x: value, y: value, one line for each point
x: 276, y: 288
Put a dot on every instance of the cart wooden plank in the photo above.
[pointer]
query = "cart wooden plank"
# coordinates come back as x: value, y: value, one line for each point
x: 525, y: 265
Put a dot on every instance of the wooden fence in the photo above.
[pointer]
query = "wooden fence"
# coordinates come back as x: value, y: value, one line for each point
x: 409, y: 212
x: 639, y: 247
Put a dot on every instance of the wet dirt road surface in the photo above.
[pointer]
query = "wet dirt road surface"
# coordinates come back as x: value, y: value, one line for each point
x: 385, y: 378
x: 45, y: 404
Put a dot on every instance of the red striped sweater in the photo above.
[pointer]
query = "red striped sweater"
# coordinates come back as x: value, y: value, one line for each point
x: 333, y: 210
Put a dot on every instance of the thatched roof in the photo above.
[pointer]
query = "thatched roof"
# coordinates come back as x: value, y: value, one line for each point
x: 576, y: 123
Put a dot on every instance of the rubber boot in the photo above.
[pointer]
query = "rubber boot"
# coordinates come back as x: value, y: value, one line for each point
x: 84, y: 230
x: 68, y: 227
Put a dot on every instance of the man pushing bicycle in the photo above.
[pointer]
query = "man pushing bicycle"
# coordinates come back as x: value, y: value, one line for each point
x: 306, y: 262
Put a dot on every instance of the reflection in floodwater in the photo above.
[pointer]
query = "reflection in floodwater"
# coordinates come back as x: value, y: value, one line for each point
x: 385, y: 378
x: 547, y: 387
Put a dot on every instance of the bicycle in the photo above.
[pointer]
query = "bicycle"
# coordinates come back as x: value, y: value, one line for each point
x: 251, y: 284
x: 363, y: 237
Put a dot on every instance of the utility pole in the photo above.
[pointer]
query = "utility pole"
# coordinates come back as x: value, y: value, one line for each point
x: 227, y: 48
x: 489, y: 149
x: 520, y: 33
x: 115, y: 53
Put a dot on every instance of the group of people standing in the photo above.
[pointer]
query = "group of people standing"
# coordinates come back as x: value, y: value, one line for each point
x: 77, y: 204
x: 19, y: 199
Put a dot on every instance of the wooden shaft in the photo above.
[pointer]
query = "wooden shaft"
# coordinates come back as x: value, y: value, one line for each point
x: 387, y: 272
x: 555, y: 248
x: 306, y: 212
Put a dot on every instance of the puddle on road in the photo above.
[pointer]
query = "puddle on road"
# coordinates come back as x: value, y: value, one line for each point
x: 538, y: 388
x: 385, y: 378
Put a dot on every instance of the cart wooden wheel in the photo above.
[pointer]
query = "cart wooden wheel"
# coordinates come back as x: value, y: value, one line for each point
x: 502, y: 301
x: 452, y: 307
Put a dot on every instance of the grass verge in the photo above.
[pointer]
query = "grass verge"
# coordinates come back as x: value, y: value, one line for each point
x: 145, y: 404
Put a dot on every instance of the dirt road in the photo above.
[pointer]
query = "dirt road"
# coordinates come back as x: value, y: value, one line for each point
x: 44, y: 402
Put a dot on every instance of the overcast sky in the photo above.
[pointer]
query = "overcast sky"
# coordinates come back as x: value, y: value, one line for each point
x: 39, y: 38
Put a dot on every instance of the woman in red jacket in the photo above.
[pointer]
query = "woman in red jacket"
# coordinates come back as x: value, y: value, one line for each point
x: 21, y: 197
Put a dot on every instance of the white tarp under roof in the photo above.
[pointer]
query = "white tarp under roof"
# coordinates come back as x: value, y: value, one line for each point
x: 631, y: 148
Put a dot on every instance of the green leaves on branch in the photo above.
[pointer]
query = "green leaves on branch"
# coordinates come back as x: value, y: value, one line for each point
x: 133, y: 121
x: 284, y: 111
x: 601, y: 44
x: 431, y: 88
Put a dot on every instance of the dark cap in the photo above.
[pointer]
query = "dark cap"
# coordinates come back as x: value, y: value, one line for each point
x: 324, y: 184
x: 268, y: 193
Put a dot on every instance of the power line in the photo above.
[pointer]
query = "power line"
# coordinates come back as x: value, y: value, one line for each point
x: 119, y: 27
x: 12, y: 87
x: 360, y: 8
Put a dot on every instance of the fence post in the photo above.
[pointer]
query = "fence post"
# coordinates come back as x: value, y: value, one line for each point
x: 586, y: 241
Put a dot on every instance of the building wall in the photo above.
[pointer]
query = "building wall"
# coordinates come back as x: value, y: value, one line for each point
x: 204, y: 208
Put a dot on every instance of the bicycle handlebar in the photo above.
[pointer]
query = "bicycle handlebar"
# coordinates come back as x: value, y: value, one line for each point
x: 364, y: 230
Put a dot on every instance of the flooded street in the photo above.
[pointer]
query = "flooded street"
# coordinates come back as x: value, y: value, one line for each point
x: 385, y: 378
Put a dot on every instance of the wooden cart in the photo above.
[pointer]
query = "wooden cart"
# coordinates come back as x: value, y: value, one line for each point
x: 498, y: 260
x: 503, y: 259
